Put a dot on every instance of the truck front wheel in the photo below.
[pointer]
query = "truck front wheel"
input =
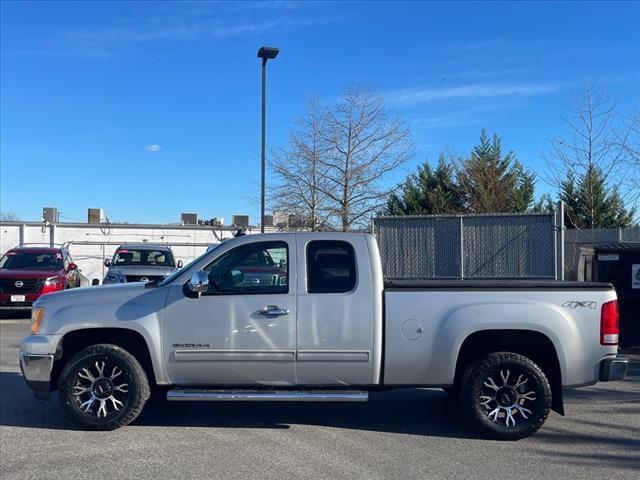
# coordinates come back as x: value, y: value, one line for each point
x: 103, y: 387
x: 505, y: 396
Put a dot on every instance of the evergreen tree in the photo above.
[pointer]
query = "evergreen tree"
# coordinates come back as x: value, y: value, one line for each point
x: 544, y: 204
x: 492, y: 182
x: 590, y: 204
x: 427, y: 192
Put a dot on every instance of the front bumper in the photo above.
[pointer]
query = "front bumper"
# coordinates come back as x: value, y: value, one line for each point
x: 7, y: 304
x: 614, y: 368
x: 36, y: 369
x: 21, y: 307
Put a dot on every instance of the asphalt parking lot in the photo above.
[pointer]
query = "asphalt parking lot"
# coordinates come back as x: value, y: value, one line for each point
x: 398, y: 434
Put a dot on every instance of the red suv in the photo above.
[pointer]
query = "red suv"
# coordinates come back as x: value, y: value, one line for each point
x: 28, y: 272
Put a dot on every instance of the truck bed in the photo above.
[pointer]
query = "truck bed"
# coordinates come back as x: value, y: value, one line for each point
x: 397, y: 285
x: 426, y: 323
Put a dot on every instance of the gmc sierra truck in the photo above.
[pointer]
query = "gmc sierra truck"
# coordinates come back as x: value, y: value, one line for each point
x: 319, y: 323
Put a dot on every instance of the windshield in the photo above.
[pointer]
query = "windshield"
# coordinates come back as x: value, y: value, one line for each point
x: 149, y: 258
x: 31, y: 260
x: 179, y: 272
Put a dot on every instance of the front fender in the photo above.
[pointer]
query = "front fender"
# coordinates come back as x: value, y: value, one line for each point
x: 131, y: 308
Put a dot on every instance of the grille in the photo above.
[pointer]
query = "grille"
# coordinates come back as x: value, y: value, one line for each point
x: 29, y: 285
x: 150, y: 278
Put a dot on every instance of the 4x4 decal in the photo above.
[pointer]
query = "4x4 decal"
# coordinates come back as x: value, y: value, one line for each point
x: 573, y: 304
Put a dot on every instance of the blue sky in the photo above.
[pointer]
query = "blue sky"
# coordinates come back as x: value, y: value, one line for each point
x: 152, y: 109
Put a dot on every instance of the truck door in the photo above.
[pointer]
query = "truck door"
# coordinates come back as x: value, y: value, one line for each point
x: 242, y: 330
x: 335, y: 331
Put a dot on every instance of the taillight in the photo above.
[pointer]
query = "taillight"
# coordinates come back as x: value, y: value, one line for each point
x: 609, y: 327
x: 52, y: 284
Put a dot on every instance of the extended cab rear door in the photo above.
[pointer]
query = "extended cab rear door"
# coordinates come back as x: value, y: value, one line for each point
x: 335, y: 314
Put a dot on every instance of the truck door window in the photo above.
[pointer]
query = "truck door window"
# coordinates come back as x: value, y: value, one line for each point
x: 254, y: 268
x: 331, y: 267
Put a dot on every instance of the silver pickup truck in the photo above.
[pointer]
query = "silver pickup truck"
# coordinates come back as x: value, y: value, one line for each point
x: 309, y: 317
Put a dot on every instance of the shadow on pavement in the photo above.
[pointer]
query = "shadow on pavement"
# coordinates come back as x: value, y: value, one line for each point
x: 406, y: 411
x: 619, y: 442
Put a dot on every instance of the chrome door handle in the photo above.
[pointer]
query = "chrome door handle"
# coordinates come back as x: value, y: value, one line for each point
x: 273, y: 311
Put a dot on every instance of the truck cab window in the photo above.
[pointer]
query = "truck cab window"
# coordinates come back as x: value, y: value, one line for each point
x: 331, y: 267
x: 256, y: 268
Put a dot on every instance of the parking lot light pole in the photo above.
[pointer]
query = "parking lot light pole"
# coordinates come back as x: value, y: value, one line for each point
x: 265, y: 53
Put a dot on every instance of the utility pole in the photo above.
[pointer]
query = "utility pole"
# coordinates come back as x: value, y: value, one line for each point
x: 265, y: 53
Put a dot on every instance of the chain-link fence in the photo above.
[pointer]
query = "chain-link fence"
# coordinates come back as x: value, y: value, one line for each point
x: 468, y: 246
x: 574, y: 239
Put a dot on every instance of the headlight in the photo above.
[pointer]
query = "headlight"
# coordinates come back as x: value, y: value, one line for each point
x: 52, y: 284
x: 37, y: 314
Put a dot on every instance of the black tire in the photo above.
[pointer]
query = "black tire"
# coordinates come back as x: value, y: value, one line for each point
x: 505, y: 409
x: 107, y: 365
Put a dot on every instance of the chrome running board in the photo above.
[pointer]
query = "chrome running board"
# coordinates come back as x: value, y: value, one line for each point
x: 199, y: 395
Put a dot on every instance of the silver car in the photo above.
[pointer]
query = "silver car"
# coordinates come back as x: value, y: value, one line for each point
x: 140, y: 262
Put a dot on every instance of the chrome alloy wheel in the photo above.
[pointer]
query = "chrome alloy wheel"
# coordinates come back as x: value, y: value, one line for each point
x: 506, y: 401
x: 101, y: 389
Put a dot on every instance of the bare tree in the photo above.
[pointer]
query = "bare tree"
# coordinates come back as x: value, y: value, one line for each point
x: 593, y: 163
x: 632, y: 146
x: 363, y: 147
x: 9, y: 217
x: 300, y: 171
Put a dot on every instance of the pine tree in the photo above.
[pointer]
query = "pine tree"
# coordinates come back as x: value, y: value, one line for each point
x: 590, y: 204
x: 427, y: 192
x: 544, y: 204
x: 492, y: 182
x: 445, y: 195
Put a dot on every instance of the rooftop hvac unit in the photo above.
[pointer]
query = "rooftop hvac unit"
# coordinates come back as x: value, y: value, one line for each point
x: 50, y: 214
x: 189, y: 219
x: 217, y: 221
x: 95, y: 215
x: 240, y: 220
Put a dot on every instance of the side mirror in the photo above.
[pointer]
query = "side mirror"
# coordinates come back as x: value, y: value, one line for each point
x: 107, y: 263
x: 180, y: 263
x: 72, y: 266
x: 199, y: 282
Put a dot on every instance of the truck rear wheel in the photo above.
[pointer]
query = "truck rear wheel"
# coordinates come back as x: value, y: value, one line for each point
x: 103, y: 387
x: 505, y: 396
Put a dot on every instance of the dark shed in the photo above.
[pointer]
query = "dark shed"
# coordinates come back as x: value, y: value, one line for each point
x: 619, y: 264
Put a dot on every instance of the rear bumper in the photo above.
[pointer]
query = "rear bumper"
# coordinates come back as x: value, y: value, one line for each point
x: 614, y: 368
x: 36, y: 370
